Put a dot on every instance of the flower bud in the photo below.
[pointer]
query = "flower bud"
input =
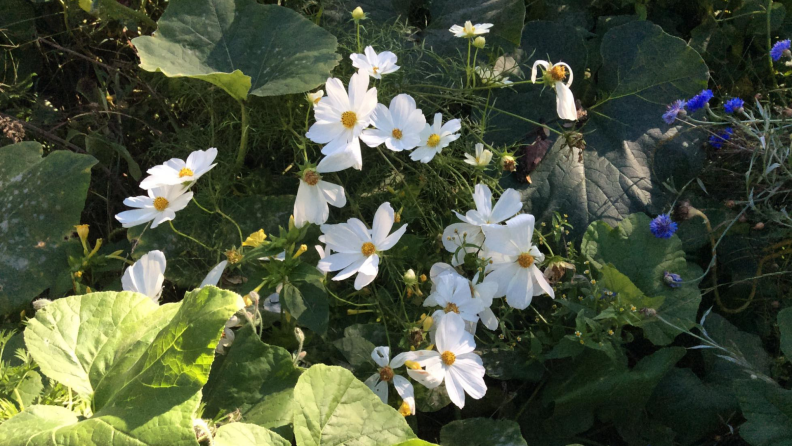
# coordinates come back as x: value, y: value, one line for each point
x: 82, y: 231
x: 358, y: 14
x: 315, y: 97
x: 672, y: 280
x: 759, y: 226
x: 423, y: 278
x: 479, y: 42
x: 299, y: 335
x: 300, y: 251
x: 410, y: 278
x: 508, y: 163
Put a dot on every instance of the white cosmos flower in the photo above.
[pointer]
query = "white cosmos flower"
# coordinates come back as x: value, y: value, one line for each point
x: 399, y: 126
x: 314, y: 193
x: 161, y: 205
x: 470, y: 30
x: 484, y: 292
x: 146, y: 275
x: 498, y: 75
x: 453, y: 294
x: 341, y: 117
x: 469, y: 231
x: 514, y: 260
x: 554, y: 75
x: 375, y: 64
x: 436, y: 137
x: 482, y: 158
x: 213, y: 278
x: 176, y: 171
x: 378, y: 382
x: 355, y: 247
x: 454, y: 361
x: 315, y: 97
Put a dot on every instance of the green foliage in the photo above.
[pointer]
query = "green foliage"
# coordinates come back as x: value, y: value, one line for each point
x: 335, y: 408
x: 305, y: 298
x: 635, y: 252
x: 240, y: 46
x: 768, y: 410
x: 243, y: 434
x: 481, y: 432
x: 164, y: 374
x: 40, y: 202
x: 254, y: 378
x: 785, y: 327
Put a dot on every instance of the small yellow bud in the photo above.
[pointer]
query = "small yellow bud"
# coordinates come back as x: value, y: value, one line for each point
x: 82, y: 231
x: 291, y: 222
x: 397, y: 218
x: 358, y: 14
x: 300, y: 251
x: 479, y: 42
x: 423, y: 278
x: 78, y: 274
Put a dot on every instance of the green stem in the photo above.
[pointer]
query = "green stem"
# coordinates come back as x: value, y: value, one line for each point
x: 243, y: 140
x: 357, y: 35
x: 769, y: 57
x: 170, y: 222
x: 467, y: 67
x: 473, y: 74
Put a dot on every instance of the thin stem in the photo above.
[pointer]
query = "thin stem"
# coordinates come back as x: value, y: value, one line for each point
x: 243, y: 140
x: 357, y: 35
x: 467, y: 67
x: 170, y: 222
x: 769, y: 57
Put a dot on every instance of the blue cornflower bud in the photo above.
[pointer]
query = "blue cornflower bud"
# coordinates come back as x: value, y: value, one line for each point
x: 662, y: 226
x: 672, y: 280
x: 734, y: 105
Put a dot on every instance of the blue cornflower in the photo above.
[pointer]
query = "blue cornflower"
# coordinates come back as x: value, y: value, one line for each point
x: 777, y: 52
x: 733, y: 105
x: 698, y: 101
x: 674, y: 109
x: 717, y: 141
x: 672, y: 280
x: 662, y: 226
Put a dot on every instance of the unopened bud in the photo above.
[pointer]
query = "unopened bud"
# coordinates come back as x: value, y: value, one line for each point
x: 299, y: 335
x: 358, y: 13
x: 759, y: 226
x: 300, y: 251
x: 409, y: 277
x: 423, y: 278
x: 291, y: 222
x: 479, y: 42
x: 82, y: 232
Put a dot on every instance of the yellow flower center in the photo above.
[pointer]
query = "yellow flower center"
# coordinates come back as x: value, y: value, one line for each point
x: 448, y: 358
x: 160, y: 203
x: 374, y: 69
x: 311, y: 177
x: 433, y: 141
x: 525, y: 260
x: 558, y: 72
x: 451, y: 307
x: 404, y: 409
x: 316, y: 101
x: 185, y: 172
x: 349, y: 119
x: 386, y: 374
x: 396, y: 133
x: 368, y: 249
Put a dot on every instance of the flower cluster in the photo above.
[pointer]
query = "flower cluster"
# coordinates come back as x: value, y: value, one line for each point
x: 719, y: 139
x: 168, y: 187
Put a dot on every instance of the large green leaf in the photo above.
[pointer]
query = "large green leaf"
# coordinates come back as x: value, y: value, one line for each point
x: 255, y: 378
x: 243, y: 434
x: 334, y: 408
x: 481, y: 432
x: 681, y: 393
x: 635, y: 252
x: 240, y: 46
x: 151, y: 400
x: 768, y: 409
x: 70, y: 342
x: 305, y: 297
x: 40, y: 202
x: 594, y: 386
x: 507, y: 17
x: 643, y: 70
x: 785, y: 327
